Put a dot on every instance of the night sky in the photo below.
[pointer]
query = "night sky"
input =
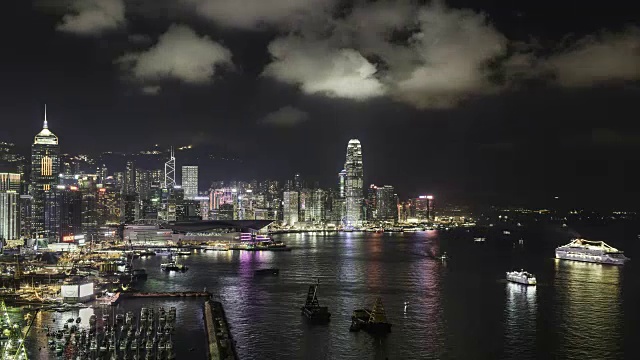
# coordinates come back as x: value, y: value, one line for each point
x: 473, y: 101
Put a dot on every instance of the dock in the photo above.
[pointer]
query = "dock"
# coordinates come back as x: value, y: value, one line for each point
x: 221, y: 345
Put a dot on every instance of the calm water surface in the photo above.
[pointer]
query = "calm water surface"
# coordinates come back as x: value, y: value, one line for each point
x: 461, y: 309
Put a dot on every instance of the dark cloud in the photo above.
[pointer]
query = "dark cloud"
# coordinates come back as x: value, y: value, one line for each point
x: 286, y: 116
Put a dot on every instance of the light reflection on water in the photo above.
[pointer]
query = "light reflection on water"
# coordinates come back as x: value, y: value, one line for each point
x: 460, y: 309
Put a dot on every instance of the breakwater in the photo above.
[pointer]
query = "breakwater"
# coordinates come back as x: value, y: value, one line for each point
x: 221, y: 345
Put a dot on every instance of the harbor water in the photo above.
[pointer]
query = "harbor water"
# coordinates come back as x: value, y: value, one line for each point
x: 461, y: 308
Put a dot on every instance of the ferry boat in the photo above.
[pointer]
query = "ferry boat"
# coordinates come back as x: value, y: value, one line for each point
x: 521, y: 277
x: 591, y: 251
x: 163, y: 252
x: 312, y: 309
x: 217, y: 247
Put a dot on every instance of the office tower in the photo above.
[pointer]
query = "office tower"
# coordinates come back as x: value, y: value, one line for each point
x: 317, y: 210
x: 386, y: 203
x: 298, y: 183
x: 62, y: 213
x: 372, y: 203
x: 170, y: 172
x: 423, y: 207
x: 129, y: 186
x: 10, y: 181
x: 290, y: 207
x: 102, y: 173
x: 144, y: 183
x: 25, y: 216
x: 342, y: 178
x: 9, y: 215
x: 45, y: 167
x: 108, y: 205
x: 190, y: 182
x: 353, y: 184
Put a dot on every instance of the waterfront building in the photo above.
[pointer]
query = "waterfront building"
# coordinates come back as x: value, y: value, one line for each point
x: 9, y: 215
x: 353, y: 184
x: 342, y: 179
x: 45, y: 168
x: 190, y: 182
x: 372, y: 203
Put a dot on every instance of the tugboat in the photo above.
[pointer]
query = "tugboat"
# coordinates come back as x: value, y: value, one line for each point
x: 172, y: 265
x: 372, y: 321
x: 269, y: 271
x: 312, y: 309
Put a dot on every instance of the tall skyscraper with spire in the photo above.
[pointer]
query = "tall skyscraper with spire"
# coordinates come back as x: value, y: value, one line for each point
x: 45, y: 168
x: 354, y: 181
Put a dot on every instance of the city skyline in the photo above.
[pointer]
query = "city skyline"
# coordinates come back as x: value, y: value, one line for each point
x: 495, y: 110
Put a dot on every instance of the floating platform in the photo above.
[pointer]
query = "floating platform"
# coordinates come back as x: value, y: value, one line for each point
x: 312, y: 309
x: 270, y: 271
x: 372, y: 321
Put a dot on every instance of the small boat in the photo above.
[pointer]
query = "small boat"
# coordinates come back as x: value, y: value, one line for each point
x: 163, y: 252
x: 173, y: 266
x: 183, y: 252
x: 479, y: 239
x: 269, y: 271
x: 312, y: 309
x: 521, y: 277
x: 506, y: 232
x: 372, y: 321
x: 443, y: 257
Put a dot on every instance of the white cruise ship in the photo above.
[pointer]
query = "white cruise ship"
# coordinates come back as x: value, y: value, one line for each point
x: 521, y: 277
x: 591, y: 251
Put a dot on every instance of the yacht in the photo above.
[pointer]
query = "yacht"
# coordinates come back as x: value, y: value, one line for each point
x: 521, y: 277
x: 479, y: 239
x: 591, y: 251
x: 172, y: 265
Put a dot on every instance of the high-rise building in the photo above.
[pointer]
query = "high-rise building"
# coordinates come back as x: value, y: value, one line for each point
x: 354, y: 184
x: 62, y: 213
x: 290, y: 207
x: 342, y: 178
x: 190, y: 182
x: 386, y: 203
x: 372, y: 203
x: 170, y: 172
x: 10, y: 182
x: 26, y: 202
x: 9, y: 215
x: 129, y: 186
x: 45, y: 167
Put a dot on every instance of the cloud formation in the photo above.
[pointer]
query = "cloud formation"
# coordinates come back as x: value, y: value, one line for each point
x: 93, y: 17
x: 285, y: 117
x: 597, y: 59
x: 441, y: 58
x: 179, y: 54
x: 251, y: 14
x: 320, y: 69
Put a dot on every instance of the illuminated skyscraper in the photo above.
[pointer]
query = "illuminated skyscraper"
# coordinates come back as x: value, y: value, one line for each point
x: 190, y: 182
x: 45, y: 167
x: 354, y: 183
x: 9, y: 215
x: 290, y: 207
x: 342, y: 176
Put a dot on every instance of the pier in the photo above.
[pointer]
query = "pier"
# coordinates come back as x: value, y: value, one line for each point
x: 221, y: 345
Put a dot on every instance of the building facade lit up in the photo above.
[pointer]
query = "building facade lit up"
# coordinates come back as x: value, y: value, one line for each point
x: 354, y: 184
x: 190, y: 182
x: 45, y: 168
